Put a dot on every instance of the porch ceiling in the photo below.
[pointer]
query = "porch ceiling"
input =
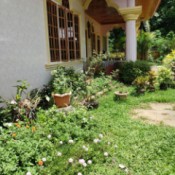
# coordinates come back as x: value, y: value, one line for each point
x: 99, y: 10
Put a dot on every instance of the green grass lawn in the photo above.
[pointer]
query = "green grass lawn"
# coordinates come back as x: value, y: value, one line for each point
x: 143, y: 148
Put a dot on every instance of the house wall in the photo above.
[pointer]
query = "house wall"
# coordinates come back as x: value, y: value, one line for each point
x: 24, y: 51
x: 98, y: 30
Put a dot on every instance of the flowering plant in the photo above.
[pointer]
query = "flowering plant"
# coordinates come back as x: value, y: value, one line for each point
x: 55, y: 144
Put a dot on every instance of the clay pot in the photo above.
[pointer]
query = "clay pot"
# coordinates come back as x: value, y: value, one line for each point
x: 62, y: 100
x: 121, y: 95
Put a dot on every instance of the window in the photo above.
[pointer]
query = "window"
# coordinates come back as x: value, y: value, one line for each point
x: 62, y: 34
x: 64, y: 37
x: 53, y: 31
x: 65, y: 3
x: 77, y: 35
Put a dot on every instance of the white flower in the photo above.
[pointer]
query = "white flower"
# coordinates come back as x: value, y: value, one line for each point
x: 81, y: 161
x: 85, y: 164
x: 13, y: 102
x: 106, y: 154
x: 61, y: 142
x: 59, y: 154
x: 115, y: 146
x: 109, y: 143
x: 85, y: 148
x: 71, y: 141
x: 8, y: 124
x: 49, y: 136
x: 28, y: 173
x: 71, y: 160
x: 44, y: 159
x: 126, y: 170
x: 101, y: 136
x: 96, y: 140
x: 47, y: 98
x: 91, y: 117
x: 122, y: 166
x: 89, y: 162
x: 79, y: 174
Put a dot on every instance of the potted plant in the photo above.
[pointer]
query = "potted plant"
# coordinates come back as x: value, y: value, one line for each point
x: 61, y: 91
x: 62, y: 99
x: 165, y: 77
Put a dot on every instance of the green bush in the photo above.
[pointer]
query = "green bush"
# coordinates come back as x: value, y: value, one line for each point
x: 95, y: 64
x: 163, y: 44
x: 144, y: 44
x: 50, y: 145
x: 165, y: 77
x: 129, y: 71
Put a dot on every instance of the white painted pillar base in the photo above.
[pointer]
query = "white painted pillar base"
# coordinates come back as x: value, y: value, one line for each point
x: 131, y: 41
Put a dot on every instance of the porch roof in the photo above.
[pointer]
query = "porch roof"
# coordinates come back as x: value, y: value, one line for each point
x: 102, y: 13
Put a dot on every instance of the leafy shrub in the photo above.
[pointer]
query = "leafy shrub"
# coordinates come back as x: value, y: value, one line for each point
x: 20, y: 108
x: 95, y: 88
x: 169, y: 60
x: 101, y: 83
x: 56, y: 144
x: 45, y: 96
x: 95, y: 64
x: 152, y: 79
x: 163, y: 45
x: 141, y: 84
x: 165, y: 77
x: 117, y: 55
x: 144, y: 44
x: 129, y: 71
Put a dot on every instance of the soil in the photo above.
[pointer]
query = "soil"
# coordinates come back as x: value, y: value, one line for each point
x: 156, y: 113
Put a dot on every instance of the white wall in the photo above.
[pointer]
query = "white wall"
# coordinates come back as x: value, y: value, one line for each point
x: 23, y: 44
x: 98, y: 32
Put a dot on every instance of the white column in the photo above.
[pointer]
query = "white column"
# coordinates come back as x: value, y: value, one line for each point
x: 130, y: 15
x: 131, y: 41
x: 131, y: 3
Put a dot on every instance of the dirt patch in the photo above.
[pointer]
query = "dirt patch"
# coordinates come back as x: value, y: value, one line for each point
x: 156, y: 113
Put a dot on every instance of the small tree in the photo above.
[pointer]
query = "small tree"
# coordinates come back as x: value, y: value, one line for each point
x: 144, y: 43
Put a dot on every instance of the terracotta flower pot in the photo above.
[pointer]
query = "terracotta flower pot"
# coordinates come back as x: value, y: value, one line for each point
x: 62, y: 100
